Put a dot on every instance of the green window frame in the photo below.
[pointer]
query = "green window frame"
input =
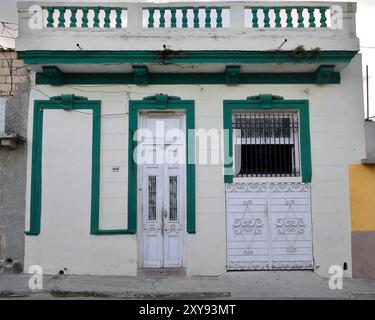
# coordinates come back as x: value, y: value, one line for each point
x: 269, y: 102
x: 67, y: 102
x: 164, y: 103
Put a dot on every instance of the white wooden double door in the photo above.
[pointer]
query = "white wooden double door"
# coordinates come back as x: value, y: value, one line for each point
x: 163, y: 191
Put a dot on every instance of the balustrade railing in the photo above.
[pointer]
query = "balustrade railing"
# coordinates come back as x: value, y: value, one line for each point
x: 137, y: 17
x: 186, y: 17
x: 288, y: 17
x: 84, y: 17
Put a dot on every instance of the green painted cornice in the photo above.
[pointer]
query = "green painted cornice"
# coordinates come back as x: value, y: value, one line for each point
x: 47, y: 57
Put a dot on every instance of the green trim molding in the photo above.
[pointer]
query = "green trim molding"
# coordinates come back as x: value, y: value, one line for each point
x: 52, y: 75
x: 67, y: 102
x: 162, y: 103
x: 269, y: 102
x: 49, y: 57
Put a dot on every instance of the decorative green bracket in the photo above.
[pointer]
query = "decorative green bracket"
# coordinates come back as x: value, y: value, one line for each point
x: 326, y: 75
x: 232, y: 74
x: 53, y: 75
x: 266, y: 102
x: 164, y: 102
x: 140, y: 75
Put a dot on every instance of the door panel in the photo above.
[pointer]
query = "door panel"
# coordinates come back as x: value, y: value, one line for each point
x: 269, y: 226
x: 163, y: 195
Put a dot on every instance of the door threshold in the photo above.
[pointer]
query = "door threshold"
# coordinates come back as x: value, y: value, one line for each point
x: 162, y: 272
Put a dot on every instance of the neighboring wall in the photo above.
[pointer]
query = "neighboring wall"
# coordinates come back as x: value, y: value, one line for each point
x: 14, y: 90
x: 362, y: 204
x: 337, y: 141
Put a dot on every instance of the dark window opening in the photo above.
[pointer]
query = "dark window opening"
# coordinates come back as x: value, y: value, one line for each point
x: 266, y: 144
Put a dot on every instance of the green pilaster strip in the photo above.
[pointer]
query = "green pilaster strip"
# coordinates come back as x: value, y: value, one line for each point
x: 73, y: 18
x: 219, y: 18
x: 266, y: 12
x: 85, y: 20
x: 173, y: 18
x: 118, y: 17
x: 96, y: 17
x: 107, y: 19
x: 151, y: 12
x: 169, y: 103
x: 300, y: 17
x: 61, y: 17
x: 255, y: 17
x: 289, y: 18
x: 162, y: 18
x: 50, y: 19
x: 277, y: 17
x: 323, y: 17
x: 196, y: 17
x: 184, y: 17
x: 208, y: 17
x: 274, y: 103
x: 311, y: 17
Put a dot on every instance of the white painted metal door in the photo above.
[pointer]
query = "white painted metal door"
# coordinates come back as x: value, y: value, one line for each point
x: 163, y: 191
x: 269, y: 226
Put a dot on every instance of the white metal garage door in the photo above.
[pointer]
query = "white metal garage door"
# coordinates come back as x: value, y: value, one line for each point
x: 269, y: 226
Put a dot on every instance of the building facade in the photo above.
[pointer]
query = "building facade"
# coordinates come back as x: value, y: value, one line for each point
x: 256, y: 109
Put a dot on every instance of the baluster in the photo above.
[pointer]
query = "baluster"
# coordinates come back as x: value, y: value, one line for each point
x: 73, y: 18
x: 184, y: 17
x: 312, y: 17
x: 208, y: 18
x: 151, y: 12
x: 96, y: 17
x: 323, y: 18
x: 107, y: 18
x: 162, y: 18
x: 255, y: 17
x: 118, y: 17
x: 50, y: 20
x: 277, y: 18
x: 289, y: 18
x: 61, y: 17
x: 85, y: 20
x: 219, y: 18
x: 266, y: 11
x: 196, y: 17
x: 300, y: 17
x: 173, y: 18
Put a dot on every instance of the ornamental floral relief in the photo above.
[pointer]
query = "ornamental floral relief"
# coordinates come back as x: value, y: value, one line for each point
x: 248, y: 226
x: 290, y: 226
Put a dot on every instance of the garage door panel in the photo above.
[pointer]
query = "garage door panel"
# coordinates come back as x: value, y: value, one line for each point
x: 269, y: 226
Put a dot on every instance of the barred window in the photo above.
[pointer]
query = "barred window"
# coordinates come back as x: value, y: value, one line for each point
x: 266, y: 144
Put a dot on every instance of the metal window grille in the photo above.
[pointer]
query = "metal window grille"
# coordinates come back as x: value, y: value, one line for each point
x: 173, y: 198
x: 266, y: 144
x: 152, y: 198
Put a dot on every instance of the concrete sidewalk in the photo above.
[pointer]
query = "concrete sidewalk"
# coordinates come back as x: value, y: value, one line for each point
x: 238, y: 285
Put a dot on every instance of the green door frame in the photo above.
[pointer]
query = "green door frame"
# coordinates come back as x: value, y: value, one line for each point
x: 269, y: 102
x: 162, y: 103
